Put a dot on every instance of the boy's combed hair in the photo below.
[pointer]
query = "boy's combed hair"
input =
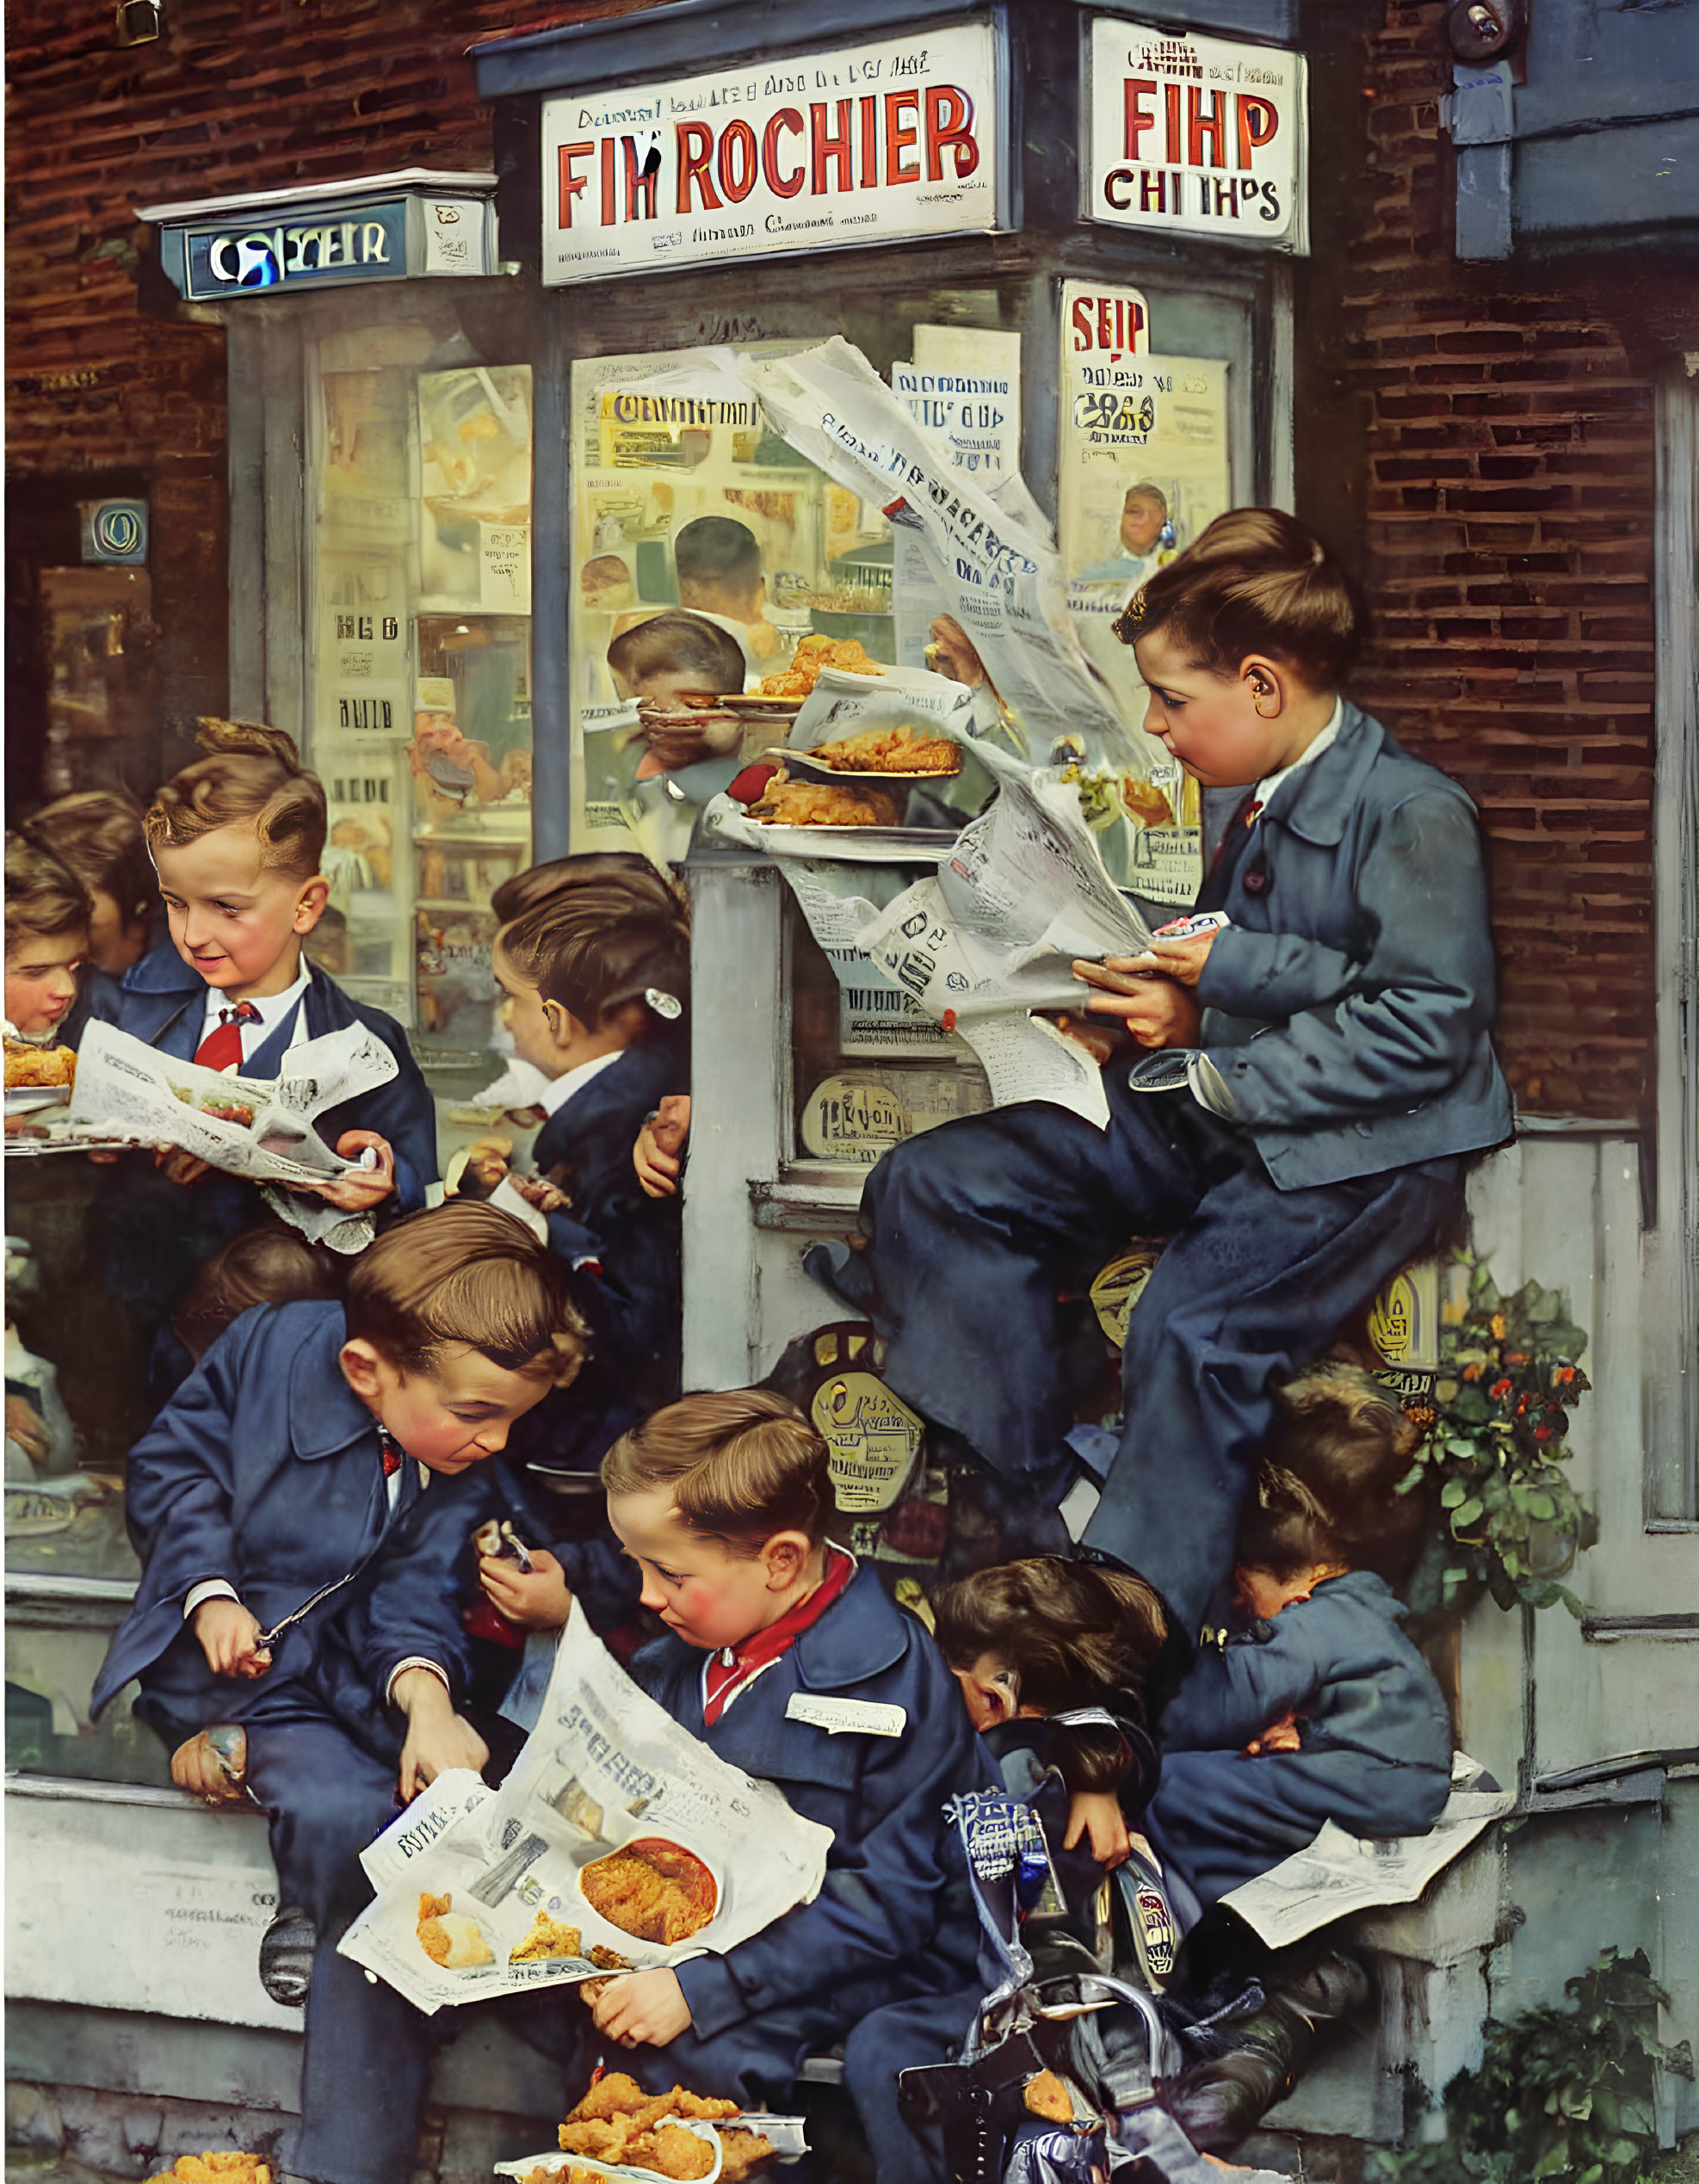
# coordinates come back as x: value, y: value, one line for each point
x: 626, y: 872
x: 716, y: 550
x: 465, y: 1273
x: 251, y: 776
x: 42, y: 896
x: 741, y: 1465
x: 97, y: 834
x: 680, y: 642
x: 261, y: 1266
x: 593, y: 949
x: 1256, y: 581
x: 1070, y: 1633
x: 1333, y: 1458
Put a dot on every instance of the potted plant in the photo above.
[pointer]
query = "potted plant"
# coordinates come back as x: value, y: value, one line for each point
x: 1510, y: 1523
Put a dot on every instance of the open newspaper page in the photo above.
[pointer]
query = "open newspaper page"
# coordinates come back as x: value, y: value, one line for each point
x: 994, y: 936
x: 128, y: 1092
x: 1338, y: 1874
x: 618, y: 1841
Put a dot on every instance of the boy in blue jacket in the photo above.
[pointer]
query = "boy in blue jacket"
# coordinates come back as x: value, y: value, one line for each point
x: 1320, y: 1071
x: 237, y: 838
x: 596, y: 972
x: 302, y: 1510
x: 1317, y: 1706
x: 790, y: 1662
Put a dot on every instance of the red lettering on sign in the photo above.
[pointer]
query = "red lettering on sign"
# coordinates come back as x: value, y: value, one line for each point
x: 949, y: 125
x: 898, y: 138
x: 782, y: 185
x: 695, y: 156
x: 608, y: 149
x: 1136, y: 119
x: 639, y: 186
x: 825, y: 147
x: 1116, y: 176
x: 870, y: 142
x: 738, y: 162
x: 1198, y: 128
x: 1170, y: 101
x: 571, y: 185
x: 1258, y: 119
x: 1081, y: 314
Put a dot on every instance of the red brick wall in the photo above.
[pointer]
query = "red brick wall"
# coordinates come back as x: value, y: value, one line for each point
x: 1508, y: 517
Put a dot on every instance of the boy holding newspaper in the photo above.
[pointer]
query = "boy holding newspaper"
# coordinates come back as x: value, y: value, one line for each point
x: 1319, y: 1072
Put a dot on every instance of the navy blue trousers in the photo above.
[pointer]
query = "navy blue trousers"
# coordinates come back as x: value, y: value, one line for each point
x: 368, y: 2053
x: 975, y: 1227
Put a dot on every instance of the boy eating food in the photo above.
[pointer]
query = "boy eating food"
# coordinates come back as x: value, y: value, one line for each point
x: 302, y: 1507
x: 1320, y: 1071
x: 792, y: 1662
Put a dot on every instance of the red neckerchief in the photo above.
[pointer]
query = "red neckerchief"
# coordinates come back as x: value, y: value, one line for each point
x: 726, y: 1671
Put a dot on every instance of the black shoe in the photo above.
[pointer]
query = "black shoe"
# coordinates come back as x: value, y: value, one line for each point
x: 1220, y: 2102
x: 285, y: 1957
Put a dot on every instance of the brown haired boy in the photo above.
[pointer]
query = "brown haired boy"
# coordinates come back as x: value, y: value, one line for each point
x: 302, y: 1509
x: 791, y: 1662
x: 1320, y: 1069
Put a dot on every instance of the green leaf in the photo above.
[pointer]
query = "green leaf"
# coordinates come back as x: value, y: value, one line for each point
x: 1452, y: 1493
x: 1541, y: 1504
x: 1462, y: 1518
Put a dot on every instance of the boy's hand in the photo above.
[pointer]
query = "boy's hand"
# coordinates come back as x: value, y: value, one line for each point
x: 437, y: 1737
x: 1180, y: 960
x: 641, y: 2006
x: 23, y: 1427
x: 198, y: 1768
x: 531, y: 1600
x: 1098, y: 1041
x: 176, y: 1165
x: 1097, y: 1815
x: 1156, y: 1012
x: 357, y: 1193
x: 1278, y: 1737
x: 658, y: 1154
x: 538, y: 1191
x: 229, y: 1637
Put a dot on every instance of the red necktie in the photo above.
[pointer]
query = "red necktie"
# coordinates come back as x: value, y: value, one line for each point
x: 391, y: 1451
x: 221, y: 1049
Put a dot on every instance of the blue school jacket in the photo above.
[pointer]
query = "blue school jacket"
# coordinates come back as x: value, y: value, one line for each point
x: 586, y: 1147
x: 265, y: 1468
x: 161, y: 1000
x: 1376, y: 1756
x: 892, y: 1895
x: 1349, y: 1005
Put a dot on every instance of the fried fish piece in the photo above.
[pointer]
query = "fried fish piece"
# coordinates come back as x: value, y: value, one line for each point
x: 652, y: 1888
x: 613, y: 2093
x: 671, y: 2151
x: 742, y: 2152
x: 606, y: 1959
x: 1047, y: 2096
x: 786, y: 803
x: 448, y: 1937
x: 548, y: 1938
x: 890, y: 750
x: 31, y: 1068
x: 223, y: 2166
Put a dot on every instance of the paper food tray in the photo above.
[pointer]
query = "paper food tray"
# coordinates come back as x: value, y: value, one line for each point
x: 816, y: 769
x: 558, y: 2164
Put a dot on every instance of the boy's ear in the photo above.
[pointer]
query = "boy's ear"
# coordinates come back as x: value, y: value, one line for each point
x: 310, y: 902
x: 562, y: 1025
x: 1269, y: 684
x: 362, y: 1366
x: 785, y: 1556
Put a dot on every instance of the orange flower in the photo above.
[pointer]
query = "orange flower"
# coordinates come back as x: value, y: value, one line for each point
x: 1497, y: 1323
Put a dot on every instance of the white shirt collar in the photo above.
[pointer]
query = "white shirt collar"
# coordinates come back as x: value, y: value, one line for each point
x: 561, y: 1088
x: 271, y: 1010
x: 1266, y: 787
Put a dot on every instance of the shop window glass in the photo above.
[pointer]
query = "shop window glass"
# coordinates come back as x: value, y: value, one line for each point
x: 419, y: 667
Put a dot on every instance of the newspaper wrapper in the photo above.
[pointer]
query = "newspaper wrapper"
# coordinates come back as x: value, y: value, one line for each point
x: 604, y: 1767
x: 1338, y: 1874
x: 129, y: 1093
x: 1024, y: 893
x: 995, y: 572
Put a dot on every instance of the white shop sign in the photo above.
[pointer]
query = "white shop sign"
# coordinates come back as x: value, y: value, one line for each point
x: 1194, y: 136
x: 900, y: 137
